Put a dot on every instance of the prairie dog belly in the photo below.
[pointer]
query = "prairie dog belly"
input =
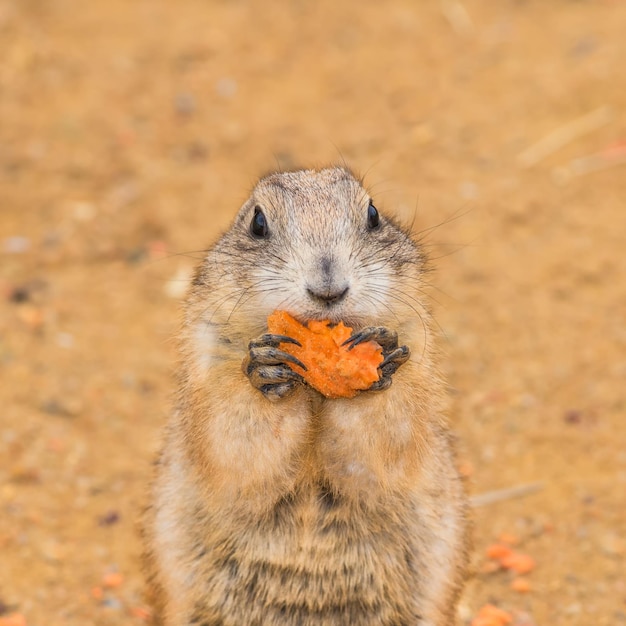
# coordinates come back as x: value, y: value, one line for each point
x: 308, y: 561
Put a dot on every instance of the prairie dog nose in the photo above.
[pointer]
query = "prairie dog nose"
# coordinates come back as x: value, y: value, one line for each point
x: 328, y: 295
x: 326, y: 287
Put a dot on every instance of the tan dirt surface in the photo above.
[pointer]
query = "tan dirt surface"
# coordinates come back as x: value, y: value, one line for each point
x: 130, y: 133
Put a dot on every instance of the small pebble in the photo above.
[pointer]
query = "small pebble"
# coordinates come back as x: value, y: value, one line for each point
x: 65, y: 340
x: 109, y: 518
x: 572, y: 416
x: 136, y: 255
x: 468, y: 190
x: 226, y: 87
x: 123, y: 194
x: 523, y: 619
x: 612, y: 544
x: 19, y: 295
x: 16, y: 244
x: 112, y: 603
x: 83, y: 211
x: 197, y: 151
x: 585, y: 46
x: 185, y: 105
x: 70, y: 408
x: 24, y: 475
x: 573, y: 609
x: 52, y: 551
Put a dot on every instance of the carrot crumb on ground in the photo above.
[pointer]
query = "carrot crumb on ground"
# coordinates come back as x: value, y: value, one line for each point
x: 508, y: 558
x: 490, y: 615
x: 518, y: 562
x: 112, y: 580
x: 521, y: 585
x: 498, y: 551
x: 466, y: 469
x: 140, y: 612
x: 97, y: 593
x: 509, y: 538
x: 13, y: 619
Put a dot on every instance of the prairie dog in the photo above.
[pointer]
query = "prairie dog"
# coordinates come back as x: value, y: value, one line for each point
x: 272, y: 505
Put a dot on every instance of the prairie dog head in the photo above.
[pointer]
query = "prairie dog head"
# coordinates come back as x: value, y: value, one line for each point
x: 314, y: 244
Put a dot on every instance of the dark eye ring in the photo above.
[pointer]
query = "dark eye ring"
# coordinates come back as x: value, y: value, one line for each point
x: 373, y: 218
x: 258, y: 227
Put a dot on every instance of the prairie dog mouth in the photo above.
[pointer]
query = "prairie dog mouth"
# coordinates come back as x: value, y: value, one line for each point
x: 334, y: 317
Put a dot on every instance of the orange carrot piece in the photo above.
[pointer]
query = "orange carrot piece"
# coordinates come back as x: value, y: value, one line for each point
x: 490, y: 615
x: 140, y: 612
x: 13, y: 619
x: 518, y: 562
x: 521, y: 585
x: 333, y: 369
x: 498, y: 551
x: 97, y: 593
x: 509, y: 538
x: 112, y: 580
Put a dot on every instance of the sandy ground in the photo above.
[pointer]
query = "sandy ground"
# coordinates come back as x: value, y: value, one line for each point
x: 130, y: 132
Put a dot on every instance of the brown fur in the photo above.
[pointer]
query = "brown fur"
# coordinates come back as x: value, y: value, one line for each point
x: 306, y: 511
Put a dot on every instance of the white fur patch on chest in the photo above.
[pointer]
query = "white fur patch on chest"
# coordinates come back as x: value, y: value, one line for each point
x: 204, y: 343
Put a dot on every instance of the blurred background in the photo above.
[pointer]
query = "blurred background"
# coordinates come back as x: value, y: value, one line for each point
x: 132, y: 131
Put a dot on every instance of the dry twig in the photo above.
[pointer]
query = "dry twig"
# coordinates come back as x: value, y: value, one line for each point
x: 457, y: 15
x: 591, y: 163
x: 563, y: 135
x: 498, y: 495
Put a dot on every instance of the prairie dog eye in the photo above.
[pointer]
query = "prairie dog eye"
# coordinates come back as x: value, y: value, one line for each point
x: 373, y: 219
x: 258, y: 227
